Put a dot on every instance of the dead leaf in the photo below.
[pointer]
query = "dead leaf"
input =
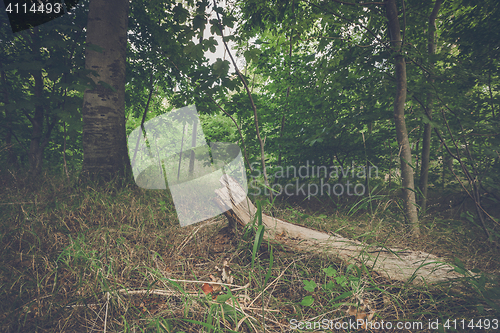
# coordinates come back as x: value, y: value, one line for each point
x: 225, y: 272
x: 280, y: 236
x: 362, y: 312
x: 207, y: 288
x: 216, y: 287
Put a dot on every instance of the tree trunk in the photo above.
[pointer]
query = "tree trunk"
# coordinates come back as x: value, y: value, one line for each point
x: 426, y: 141
x: 443, y: 161
x: 283, y: 118
x: 11, y: 156
x: 35, y: 154
x: 104, y: 138
x: 407, y: 180
x: 193, y: 146
x: 39, y: 140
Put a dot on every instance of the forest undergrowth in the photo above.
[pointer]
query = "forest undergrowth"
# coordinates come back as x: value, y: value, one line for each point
x: 77, y: 257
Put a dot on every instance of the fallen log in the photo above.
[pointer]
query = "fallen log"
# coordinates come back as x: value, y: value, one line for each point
x: 392, y: 263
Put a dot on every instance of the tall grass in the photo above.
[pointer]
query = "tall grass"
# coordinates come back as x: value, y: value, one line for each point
x: 84, y: 258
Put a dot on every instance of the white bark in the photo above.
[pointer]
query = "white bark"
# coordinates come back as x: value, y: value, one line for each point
x: 393, y: 263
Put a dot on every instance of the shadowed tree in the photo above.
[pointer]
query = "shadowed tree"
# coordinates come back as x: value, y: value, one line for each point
x: 426, y: 141
x: 104, y: 138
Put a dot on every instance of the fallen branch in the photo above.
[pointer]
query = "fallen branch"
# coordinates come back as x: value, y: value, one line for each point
x: 393, y: 263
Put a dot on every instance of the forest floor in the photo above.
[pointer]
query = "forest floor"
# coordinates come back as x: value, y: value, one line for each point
x: 82, y: 258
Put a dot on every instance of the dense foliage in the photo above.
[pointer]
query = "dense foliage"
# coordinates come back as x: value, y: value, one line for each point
x: 320, y: 76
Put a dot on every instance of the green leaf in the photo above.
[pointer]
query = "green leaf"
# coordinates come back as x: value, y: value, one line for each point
x: 229, y: 311
x: 341, y: 280
x: 221, y: 67
x: 328, y: 286
x: 259, y: 212
x: 330, y: 271
x: 252, y: 55
x: 309, y: 285
x: 198, y: 22
x: 257, y: 242
x: 271, y: 260
x: 223, y: 298
x: 180, y: 14
x: 188, y: 49
x: 228, y: 21
x: 307, y: 301
x: 343, y: 296
x: 214, y: 29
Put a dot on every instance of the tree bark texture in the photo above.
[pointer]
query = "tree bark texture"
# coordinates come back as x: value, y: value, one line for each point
x: 104, y: 138
x: 409, y: 204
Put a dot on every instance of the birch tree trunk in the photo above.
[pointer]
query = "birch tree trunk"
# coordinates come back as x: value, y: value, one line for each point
x: 104, y: 138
